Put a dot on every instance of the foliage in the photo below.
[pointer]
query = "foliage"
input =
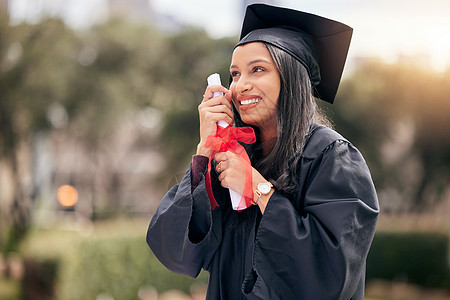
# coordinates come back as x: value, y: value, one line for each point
x: 114, y: 77
x: 9, y: 289
x: 39, y: 278
x: 418, y: 258
x: 117, y: 262
x: 101, y: 264
x: 114, y: 259
x: 397, y: 115
x: 85, y: 84
x: 192, y: 58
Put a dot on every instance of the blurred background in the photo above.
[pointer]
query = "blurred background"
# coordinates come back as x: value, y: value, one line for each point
x: 98, y: 118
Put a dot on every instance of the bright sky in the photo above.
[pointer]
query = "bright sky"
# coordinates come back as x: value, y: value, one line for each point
x: 382, y: 28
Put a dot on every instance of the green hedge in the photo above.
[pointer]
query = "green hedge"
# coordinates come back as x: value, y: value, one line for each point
x: 418, y: 258
x: 119, y: 267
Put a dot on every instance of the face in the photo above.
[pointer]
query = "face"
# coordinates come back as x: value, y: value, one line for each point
x: 256, y: 85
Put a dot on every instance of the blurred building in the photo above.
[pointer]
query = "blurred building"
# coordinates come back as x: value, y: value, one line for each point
x: 117, y: 177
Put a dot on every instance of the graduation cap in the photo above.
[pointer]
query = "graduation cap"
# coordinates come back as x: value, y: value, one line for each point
x: 320, y: 44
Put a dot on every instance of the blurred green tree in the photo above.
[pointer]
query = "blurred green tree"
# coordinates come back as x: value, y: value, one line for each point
x: 114, y: 81
x: 84, y: 84
x: 36, y: 72
x: 191, y: 57
x: 398, y: 116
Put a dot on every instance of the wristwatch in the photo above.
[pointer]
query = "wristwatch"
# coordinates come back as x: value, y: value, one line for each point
x: 263, y: 188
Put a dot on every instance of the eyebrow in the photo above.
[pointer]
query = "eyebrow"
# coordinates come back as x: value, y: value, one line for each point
x: 253, y: 62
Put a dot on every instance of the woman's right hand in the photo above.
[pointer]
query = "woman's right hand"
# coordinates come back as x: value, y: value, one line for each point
x: 211, y: 110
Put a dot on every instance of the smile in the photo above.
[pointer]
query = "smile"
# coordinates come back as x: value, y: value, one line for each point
x: 249, y: 101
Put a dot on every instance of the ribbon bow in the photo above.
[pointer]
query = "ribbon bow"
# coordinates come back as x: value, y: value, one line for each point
x: 226, y: 139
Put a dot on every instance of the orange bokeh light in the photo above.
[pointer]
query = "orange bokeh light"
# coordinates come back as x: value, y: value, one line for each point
x: 67, y: 195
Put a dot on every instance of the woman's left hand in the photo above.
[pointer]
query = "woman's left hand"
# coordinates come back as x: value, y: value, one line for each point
x: 231, y: 168
x: 232, y: 175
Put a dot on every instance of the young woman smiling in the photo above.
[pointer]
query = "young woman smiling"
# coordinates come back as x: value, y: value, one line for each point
x: 309, y: 232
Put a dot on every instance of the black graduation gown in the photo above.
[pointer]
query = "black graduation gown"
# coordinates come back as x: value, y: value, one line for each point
x: 313, y: 246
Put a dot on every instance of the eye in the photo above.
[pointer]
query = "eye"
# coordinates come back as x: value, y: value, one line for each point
x: 234, y: 74
x: 258, y: 69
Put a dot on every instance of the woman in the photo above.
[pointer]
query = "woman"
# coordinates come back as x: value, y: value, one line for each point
x: 309, y: 232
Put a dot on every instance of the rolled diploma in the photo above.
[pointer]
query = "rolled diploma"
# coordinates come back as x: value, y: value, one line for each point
x: 214, y: 79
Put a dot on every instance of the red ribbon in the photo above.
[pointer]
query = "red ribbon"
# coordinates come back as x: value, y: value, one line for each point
x: 226, y: 139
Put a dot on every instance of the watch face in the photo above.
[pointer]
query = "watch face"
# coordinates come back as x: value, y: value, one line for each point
x: 264, y: 188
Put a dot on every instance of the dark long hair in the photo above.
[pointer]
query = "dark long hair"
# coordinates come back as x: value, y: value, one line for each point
x: 296, y: 112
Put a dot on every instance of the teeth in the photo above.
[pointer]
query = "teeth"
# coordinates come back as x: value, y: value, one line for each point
x: 250, y: 101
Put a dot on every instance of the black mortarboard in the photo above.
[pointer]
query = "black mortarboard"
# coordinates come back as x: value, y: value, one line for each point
x: 320, y: 44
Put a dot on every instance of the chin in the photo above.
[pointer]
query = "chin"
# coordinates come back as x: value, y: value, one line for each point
x: 249, y: 119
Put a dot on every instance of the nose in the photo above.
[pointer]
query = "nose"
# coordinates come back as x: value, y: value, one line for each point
x: 243, y: 85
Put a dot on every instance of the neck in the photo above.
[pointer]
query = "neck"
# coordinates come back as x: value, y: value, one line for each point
x: 268, y: 139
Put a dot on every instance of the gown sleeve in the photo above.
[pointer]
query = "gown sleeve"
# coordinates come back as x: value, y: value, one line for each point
x: 180, y: 233
x: 315, y: 245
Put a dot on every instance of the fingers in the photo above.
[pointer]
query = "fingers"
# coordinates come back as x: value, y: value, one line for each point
x: 211, y: 110
x: 210, y: 90
x: 224, y: 173
x: 210, y: 100
x: 231, y: 171
x: 222, y: 156
x: 224, y: 99
x: 223, y: 103
x: 215, y: 109
x: 212, y: 115
x: 219, y: 167
x: 222, y: 160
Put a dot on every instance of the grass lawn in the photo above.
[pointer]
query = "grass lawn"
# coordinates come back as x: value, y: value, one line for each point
x: 9, y: 289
